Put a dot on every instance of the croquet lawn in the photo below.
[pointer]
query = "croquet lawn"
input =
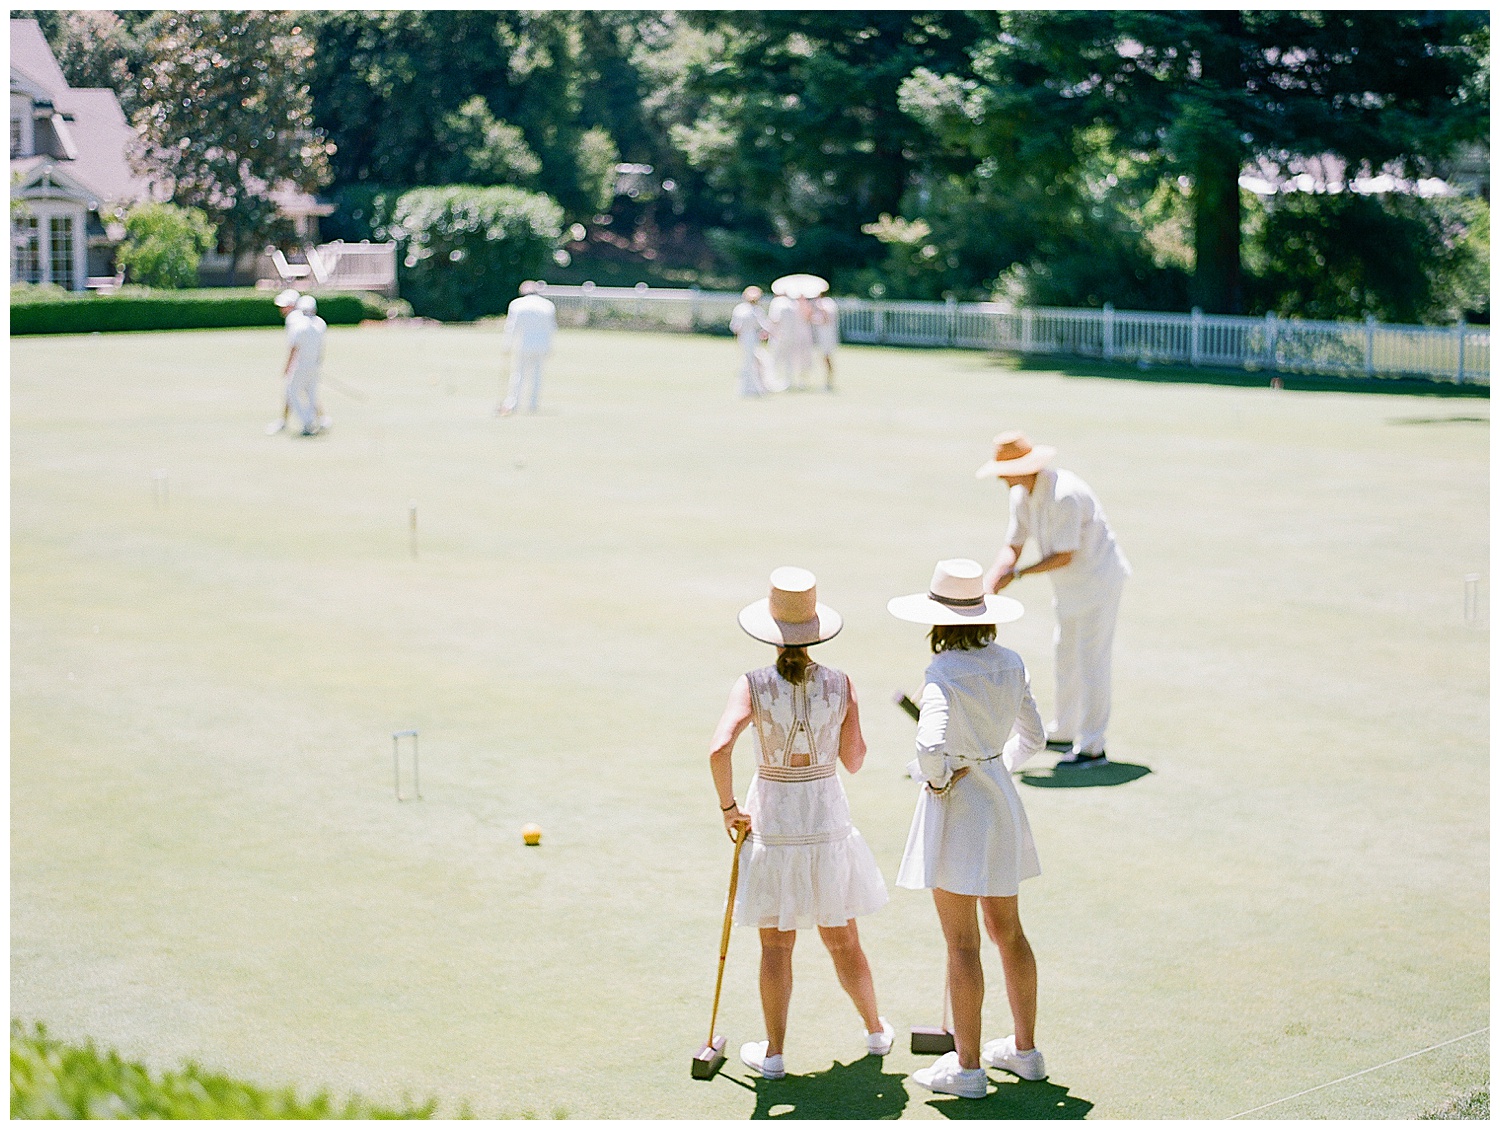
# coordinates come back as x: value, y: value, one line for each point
x: 1283, y: 883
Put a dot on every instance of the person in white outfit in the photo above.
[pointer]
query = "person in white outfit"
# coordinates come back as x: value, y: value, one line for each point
x: 305, y: 335
x: 970, y: 842
x: 530, y: 326
x: 286, y: 306
x: 1079, y: 552
x: 805, y: 864
x: 750, y: 329
x: 825, y: 334
x: 791, y: 340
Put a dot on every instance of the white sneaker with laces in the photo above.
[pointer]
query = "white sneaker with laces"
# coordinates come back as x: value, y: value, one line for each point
x: 949, y: 1078
x: 753, y: 1056
x: 879, y: 1043
x: 1003, y: 1054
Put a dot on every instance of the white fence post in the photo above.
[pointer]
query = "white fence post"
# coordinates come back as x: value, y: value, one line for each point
x: 1194, y: 341
x: 1026, y: 331
x: 1462, y: 329
x: 1369, y: 345
x: 1109, y: 331
x: 693, y: 294
x: 1270, y: 341
x: 952, y: 304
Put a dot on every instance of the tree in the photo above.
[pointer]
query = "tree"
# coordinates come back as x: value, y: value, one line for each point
x: 164, y: 244
x: 226, y: 116
x: 1199, y: 94
x: 485, y: 150
x: 95, y: 48
x: 801, y: 135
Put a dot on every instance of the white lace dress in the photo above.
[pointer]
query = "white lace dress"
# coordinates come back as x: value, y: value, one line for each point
x: 805, y: 863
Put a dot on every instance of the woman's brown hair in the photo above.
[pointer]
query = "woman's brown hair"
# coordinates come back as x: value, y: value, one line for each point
x: 960, y: 637
x: 792, y: 664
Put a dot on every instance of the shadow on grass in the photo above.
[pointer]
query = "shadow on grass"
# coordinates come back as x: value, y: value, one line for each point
x: 1089, y: 777
x: 1014, y: 1100
x: 846, y: 1090
x: 1239, y: 378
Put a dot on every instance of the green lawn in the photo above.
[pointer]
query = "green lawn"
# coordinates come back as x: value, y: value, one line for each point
x: 215, y: 633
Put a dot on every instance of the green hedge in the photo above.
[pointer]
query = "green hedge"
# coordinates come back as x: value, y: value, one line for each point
x: 34, y: 311
x: 51, y: 1079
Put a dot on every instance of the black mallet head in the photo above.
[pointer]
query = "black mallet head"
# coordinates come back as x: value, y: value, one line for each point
x: 906, y: 704
x: 709, y: 1059
x: 931, y: 1041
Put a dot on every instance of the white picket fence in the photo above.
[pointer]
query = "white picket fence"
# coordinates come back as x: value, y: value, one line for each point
x: 1458, y: 353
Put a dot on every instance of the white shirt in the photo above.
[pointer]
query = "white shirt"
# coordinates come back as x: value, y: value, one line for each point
x: 746, y: 321
x: 1063, y: 515
x: 305, y: 333
x: 530, y: 322
x: 976, y: 704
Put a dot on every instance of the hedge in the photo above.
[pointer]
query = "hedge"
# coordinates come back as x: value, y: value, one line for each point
x: 72, y: 313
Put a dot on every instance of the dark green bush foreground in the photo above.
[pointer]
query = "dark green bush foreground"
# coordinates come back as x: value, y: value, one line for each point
x: 45, y: 310
x: 49, y: 1079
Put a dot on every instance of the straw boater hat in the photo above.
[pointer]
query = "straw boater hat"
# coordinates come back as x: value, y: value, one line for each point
x: 956, y: 596
x: 791, y: 616
x: 1015, y: 455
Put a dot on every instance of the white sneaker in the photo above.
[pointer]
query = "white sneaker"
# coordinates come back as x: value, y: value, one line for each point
x: 879, y: 1043
x: 947, y: 1077
x: 275, y: 426
x: 1003, y: 1054
x: 755, y: 1058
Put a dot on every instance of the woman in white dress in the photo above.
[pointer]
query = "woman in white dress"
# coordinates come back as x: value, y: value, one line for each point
x: 805, y: 863
x: 970, y: 842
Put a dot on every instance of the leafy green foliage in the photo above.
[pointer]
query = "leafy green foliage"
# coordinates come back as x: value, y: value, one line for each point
x: 226, y: 116
x: 484, y: 149
x: 52, y: 1079
x: 39, y: 310
x: 163, y: 245
x: 467, y: 249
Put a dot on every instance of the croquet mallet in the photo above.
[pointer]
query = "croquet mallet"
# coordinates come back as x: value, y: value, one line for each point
x: 710, y: 1056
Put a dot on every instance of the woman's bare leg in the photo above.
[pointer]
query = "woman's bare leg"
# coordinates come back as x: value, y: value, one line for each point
x: 1002, y: 919
x: 960, y: 924
x: 776, y: 984
x: 853, y: 968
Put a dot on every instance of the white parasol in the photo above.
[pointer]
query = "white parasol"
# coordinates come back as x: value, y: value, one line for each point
x: 799, y: 286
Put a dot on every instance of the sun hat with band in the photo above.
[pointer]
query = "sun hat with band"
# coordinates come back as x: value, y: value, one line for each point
x: 956, y: 596
x: 1015, y: 455
x: 791, y: 616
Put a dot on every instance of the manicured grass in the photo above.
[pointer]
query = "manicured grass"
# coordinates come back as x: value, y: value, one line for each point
x: 209, y: 862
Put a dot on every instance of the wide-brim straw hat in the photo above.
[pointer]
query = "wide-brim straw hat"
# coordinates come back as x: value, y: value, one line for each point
x: 799, y: 286
x: 956, y: 596
x: 791, y: 616
x: 1016, y: 455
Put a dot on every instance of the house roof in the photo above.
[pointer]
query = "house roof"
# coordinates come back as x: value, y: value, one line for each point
x: 100, y: 134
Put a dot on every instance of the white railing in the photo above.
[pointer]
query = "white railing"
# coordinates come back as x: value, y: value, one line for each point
x: 1458, y: 353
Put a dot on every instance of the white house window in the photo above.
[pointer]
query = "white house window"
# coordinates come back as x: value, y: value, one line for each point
x: 62, y: 251
x: 28, y: 263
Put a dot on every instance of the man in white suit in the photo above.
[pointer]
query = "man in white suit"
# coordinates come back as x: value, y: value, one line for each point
x: 530, y: 325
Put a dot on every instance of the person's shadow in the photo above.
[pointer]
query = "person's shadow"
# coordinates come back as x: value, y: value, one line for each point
x: 846, y: 1090
x: 1015, y: 1099
x: 863, y: 1089
x: 1086, y: 777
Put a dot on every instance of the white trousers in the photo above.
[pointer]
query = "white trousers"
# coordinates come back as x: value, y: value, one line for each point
x: 1083, y: 645
x: 525, y: 372
x: 302, y: 396
x: 750, y: 384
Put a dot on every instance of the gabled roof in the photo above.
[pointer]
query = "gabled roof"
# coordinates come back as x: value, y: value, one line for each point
x: 30, y: 55
x: 101, y: 136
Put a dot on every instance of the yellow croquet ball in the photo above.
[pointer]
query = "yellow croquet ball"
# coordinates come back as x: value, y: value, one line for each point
x: 532, y: 834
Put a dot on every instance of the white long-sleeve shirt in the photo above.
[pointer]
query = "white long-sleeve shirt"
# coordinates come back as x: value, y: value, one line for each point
x: 976, y: 704
x: 530, y: 323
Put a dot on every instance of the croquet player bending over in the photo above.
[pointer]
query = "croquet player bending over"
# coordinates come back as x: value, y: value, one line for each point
x: 1088, y: 571
x: 805, y: 863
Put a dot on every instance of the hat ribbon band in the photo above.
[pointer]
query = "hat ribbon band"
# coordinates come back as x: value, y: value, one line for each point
x: 957, y: 601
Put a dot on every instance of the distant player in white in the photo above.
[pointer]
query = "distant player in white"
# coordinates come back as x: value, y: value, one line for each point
x: 286, y: 305
x: 530, y: 325
x: 749, y: 328
x: 305, y: 334
x: 825, y: 334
